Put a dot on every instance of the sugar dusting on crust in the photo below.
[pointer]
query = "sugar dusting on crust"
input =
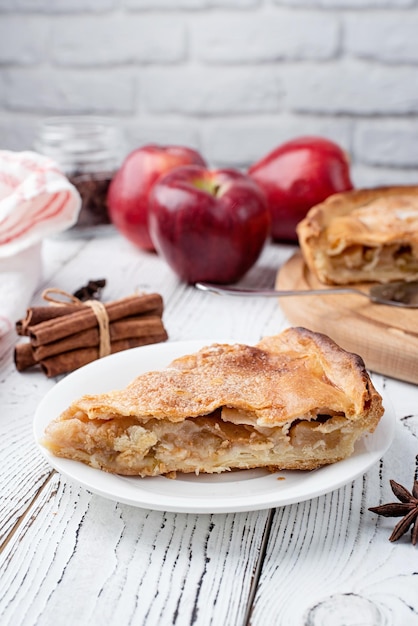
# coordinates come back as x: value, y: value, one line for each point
x: 281, y: 378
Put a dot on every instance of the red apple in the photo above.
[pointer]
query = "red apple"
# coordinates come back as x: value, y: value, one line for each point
x: 128, y: 193
x: 296, y: 176
x: 209, y: 225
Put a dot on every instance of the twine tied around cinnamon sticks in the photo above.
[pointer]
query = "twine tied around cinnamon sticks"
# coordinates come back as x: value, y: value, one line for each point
x: 63, y: 336
x: 99, y: 311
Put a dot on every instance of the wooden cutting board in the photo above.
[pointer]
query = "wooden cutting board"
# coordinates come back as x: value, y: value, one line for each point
x: 385, y: 336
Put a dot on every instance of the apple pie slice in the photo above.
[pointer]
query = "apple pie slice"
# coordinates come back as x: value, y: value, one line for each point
x: 293, y: 401
x: 362, y: 236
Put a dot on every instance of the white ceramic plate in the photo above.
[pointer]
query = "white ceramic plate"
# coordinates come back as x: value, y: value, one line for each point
x: 243, y: 490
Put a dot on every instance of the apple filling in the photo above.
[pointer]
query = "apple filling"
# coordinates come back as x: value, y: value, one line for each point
x: 369, y: 262
x: 206, y: 443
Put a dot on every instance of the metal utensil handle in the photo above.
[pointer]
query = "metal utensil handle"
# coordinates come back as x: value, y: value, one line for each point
x: 228, y: 290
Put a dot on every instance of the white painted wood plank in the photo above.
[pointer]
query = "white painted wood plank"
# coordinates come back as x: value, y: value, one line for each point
x: 146, y: 565
x: 73, y: 558
x: 23, y: 471
x: 80, y: 559
x: 188, y: 313
x: 330, y: 559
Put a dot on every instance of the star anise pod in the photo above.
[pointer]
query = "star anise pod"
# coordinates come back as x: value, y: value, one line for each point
x: 91, y: 290
x: 407, y: 508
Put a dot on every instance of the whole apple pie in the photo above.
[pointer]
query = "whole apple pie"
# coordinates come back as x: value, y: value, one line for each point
x: 294, y: 401
x: 362, y: 236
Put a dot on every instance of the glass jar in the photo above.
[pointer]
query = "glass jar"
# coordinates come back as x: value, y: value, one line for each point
x: 88, y: 150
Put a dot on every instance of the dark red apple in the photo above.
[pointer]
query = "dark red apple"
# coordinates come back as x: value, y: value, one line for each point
x: 128, y: 193
x: 209, y: 225
x: 296, y: 176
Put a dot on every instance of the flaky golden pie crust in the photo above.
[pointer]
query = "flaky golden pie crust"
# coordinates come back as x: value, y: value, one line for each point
x: 294, y: 401
x: 367, y: 235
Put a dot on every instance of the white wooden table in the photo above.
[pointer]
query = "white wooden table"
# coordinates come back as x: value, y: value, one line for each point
x: 69, y: 557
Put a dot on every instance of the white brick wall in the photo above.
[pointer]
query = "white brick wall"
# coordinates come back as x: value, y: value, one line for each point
x: 233, y: 78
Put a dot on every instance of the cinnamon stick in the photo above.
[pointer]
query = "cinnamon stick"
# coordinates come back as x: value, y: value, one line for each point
x: 129, y: 328
x: 72, y: 360
x: 64, y: 337
x: 84, y: 318
x: 38, y: 314
x: 23, y: 356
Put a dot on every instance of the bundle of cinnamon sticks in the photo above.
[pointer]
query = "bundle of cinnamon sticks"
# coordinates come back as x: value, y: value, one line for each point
x: 63, y: 337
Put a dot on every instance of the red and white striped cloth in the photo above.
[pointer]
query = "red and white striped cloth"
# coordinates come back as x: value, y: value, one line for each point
x: 36, y: 200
